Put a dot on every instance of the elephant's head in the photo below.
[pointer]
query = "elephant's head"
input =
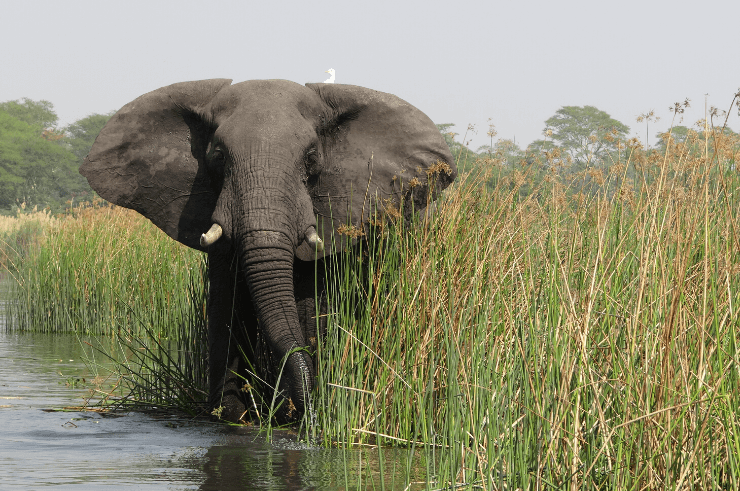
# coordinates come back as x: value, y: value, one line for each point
x: 273, y: 170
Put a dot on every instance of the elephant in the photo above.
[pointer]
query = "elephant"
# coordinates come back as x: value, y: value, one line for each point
x: 267, y: 177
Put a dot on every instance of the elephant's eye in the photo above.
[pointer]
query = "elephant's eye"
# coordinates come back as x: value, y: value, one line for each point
x: 217, y: 157
x: 217, y: 161
x: 311, y: 159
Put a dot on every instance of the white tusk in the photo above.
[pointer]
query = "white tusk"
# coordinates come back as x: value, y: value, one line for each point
x: 210, y: 237
x: 314, y: 240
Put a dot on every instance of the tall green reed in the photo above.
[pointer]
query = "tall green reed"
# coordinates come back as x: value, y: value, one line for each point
x: 101, y: 270
x: 576, y: 335
x: 107, y: 271
x: 558, y: 339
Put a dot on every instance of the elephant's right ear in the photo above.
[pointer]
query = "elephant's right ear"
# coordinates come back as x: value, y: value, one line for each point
x: 146, y: 159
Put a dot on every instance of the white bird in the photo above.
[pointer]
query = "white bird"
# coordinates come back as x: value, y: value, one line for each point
x: 330, y: 80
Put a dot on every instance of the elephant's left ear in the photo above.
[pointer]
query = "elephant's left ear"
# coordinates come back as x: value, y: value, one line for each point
x: 379, y: 151
x: 146, y: 159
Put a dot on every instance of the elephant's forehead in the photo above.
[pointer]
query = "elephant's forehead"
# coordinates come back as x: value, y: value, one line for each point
x: 263, y: 103
x: 263, y: 93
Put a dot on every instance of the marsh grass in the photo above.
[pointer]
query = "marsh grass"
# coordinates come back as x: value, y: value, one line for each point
x: 20, y: 233
x: 145, y: 372
x: 102, y: 269
x: 107, y: 271
x: 545, y: 331
x: 558, y: 339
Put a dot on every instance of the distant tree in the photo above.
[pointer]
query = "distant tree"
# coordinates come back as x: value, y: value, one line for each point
x: 586, y: 133
x: 52, y: 135
x: 723, y: 142
x: 678, y: 134
x: 681, y: 134
x: 81, y: 134
x: 39, y: 114
x: 540, y: 146
x: 504, y: 151
x: 36, y: 167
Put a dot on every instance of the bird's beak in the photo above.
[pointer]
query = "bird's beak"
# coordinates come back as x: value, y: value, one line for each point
x: 326, y: 71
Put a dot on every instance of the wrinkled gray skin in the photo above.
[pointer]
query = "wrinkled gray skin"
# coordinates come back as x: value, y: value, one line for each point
x: 271, y: 162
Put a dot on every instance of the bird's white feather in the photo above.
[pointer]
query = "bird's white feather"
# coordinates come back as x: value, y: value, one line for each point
x: 330, y: 80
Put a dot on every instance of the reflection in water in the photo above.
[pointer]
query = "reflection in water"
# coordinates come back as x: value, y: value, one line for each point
x: 253, y: 463
x: 75, y: 450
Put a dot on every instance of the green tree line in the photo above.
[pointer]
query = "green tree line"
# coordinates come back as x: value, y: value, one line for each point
x: 583, y: 144
x: 39, y: 160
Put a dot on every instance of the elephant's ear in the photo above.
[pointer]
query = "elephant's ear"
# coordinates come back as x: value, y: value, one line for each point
x: 380, y: 153
x: 146, y: 159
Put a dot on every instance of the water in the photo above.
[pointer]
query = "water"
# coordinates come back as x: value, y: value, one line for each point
x: 41, y: 446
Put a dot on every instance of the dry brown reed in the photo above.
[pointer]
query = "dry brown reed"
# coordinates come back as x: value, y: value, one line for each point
x: 20, y: 232
x: 573, y: 336
x: 10, y: 224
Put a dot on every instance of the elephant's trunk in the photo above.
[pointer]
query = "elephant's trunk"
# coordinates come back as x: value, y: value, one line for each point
x: 268, y: 267
x: 266, y: 234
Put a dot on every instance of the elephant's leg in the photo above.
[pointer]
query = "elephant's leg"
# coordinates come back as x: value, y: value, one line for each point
x: 225, y: 333
x: 310, y: 284
x: 255, y: 362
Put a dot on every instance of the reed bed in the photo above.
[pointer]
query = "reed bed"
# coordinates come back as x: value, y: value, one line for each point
x: 543, y: 332
x: 108, y: 272
x: 102, y: 269
x: 558, y: 340
x: 21, y: 232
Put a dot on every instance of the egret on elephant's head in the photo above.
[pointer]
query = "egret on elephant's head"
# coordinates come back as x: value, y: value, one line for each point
x: 330, y: 80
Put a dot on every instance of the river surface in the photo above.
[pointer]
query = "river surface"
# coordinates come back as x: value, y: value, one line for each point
x: 41, y: 446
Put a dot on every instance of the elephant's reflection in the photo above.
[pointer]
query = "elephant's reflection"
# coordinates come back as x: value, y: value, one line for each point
x: 286, y: 465
x: 230, y: 467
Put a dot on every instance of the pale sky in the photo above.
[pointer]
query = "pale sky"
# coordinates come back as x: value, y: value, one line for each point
x: 461, y: 62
